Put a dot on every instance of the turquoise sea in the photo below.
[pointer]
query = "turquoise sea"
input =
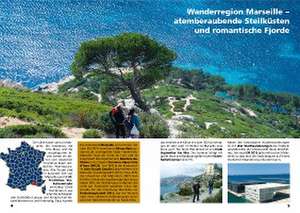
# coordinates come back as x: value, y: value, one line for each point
x: 275, y: 178
x: 38, y: 39
x: 235, y: 199
x: 166, y: 188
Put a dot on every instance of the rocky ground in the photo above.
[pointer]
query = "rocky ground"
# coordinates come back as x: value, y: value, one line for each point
x: 176, y: 198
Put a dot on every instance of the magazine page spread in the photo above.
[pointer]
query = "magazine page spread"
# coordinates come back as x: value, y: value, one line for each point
x: 149, y: 105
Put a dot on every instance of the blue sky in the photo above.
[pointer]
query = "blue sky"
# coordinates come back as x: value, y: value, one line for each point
x: 186, y: 168
x: 258, y: 169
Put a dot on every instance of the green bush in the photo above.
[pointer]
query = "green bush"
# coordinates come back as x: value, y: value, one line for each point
x: 93, y: 133
x: 185, y: 189
x: 87, y: 119
x: 179, y: 105
x: 79, y: 119
x: 84, y: 94
x: 94, y: 120
x: 153, y: 126
x: 214, y: 199
x: 196, y: 79
x: 32, y: 131
x: 105, y: 123
x: 218, y: 184
x: 53, y: 131
x: 71, y: 84
x: 18, y: 131
x: 52, y: 109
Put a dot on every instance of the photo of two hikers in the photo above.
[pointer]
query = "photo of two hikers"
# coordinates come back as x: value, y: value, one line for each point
x: 126, y: 122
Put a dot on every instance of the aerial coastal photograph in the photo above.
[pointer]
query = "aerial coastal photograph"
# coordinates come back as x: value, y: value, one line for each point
x: 123, y: 69
x: 259, y: 183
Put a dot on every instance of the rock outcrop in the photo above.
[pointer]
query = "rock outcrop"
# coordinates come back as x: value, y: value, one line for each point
x: 54, y: 86
x: 11, y: 84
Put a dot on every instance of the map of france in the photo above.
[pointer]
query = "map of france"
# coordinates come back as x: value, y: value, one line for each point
x: 24, y: 167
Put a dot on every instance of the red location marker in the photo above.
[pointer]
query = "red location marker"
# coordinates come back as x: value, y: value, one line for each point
x: 33, y: 182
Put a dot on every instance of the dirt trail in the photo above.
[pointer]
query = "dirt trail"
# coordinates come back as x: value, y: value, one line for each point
x: 176, y: 121
x: 72, y: 132
x: 172, y: 100
x: 188, y: 100
x: 10, y: 121
x: 189, y: 199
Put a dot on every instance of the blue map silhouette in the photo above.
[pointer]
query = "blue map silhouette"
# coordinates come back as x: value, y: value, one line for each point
x: 23, y: 164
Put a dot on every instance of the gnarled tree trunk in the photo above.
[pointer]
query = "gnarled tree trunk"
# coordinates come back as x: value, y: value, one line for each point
x: 136, y: 95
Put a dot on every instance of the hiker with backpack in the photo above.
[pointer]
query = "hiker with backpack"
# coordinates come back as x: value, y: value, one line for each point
x: 210, y: 186
x: 196, y: 190
x: 117, y: 117
x: 133, y: 124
